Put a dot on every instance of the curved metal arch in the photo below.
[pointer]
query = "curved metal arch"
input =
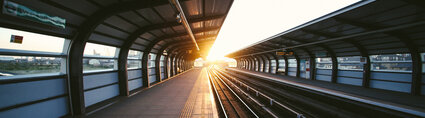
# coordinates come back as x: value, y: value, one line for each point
x: 76, y: 49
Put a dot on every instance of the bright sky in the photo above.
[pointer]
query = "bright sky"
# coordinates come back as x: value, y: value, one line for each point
x: 46, y: 43
x: 31, y: 41
x: 250, y: 21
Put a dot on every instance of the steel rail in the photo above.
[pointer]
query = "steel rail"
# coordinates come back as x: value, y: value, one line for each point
x: 236, y: 95
x: 217, y: 95
x: 298, y: 114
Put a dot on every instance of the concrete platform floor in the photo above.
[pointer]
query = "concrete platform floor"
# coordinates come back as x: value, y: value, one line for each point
x: 187, y: 95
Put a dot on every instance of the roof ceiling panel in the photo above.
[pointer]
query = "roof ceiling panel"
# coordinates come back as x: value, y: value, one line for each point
x: 135, y: 18
x: 105, y: 39
x: 111, y: 31
x: 157, y: 32
x: 122, y: 24
x: 168, y: 30
x: 82, y: 6
x: 196, y: 25
x: 105, y: 2
x: 167, y: 12
x: 179, y: 29
x: 141, y: 41
x: 371, y: 9
x: 192, y: 8
x: 221, y: 6
x: 150, y: 15
x: 137, y: 47
x: 323, y: 25
x: 147, y: 36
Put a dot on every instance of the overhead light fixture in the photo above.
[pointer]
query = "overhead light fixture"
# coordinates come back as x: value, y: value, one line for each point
x: 179, y: 18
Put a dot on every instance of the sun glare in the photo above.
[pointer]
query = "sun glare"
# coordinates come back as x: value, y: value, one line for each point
x: 250, y: 21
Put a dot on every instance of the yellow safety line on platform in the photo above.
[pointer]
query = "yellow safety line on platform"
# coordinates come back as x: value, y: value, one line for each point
x: 199, y: 103
x: 190, y: 103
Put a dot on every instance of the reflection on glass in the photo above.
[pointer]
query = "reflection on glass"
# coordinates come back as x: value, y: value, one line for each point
x: 349, y: 63
x: 99, y: 50
x: 302, y: 65
x: 324, y: 63
x: 281, y: 65
x: 24, y: 65
x: 391, y: 62
x: 98, y: 64
x: 423, y: 62
x: 131, y: 64
x: 133, y: 54
x: 292, y: 63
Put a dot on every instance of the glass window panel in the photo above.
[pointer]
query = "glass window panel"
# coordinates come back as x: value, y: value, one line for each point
x: 162, y: 57
x: 134, y: 54
x: 324, y: 63
x: 273, y: 63
x: 292, y: 63
x: 152, y: 56
x: 98, y: 64
x: 25, y: 65
x: 132, y: 64
x: 281, y: 65
x: 151, y: 61
x: 93, y: 49
x: 391, y: 62
x: 31, y: 41
x: 302, y: 65
x: 349, y: 63
x: 423, y: 62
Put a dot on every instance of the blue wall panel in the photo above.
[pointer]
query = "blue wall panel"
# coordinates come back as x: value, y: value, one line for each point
x: 302, y: 74
x: 48, y: 109
x: 423, y: 90
x: 91, y: 81
x: 163, y: 76
x: 394, y: 86
x: 401, y: 77
x: 134, y: 74
x: 351, y: 81
x: 152, y: 79
x: 324, y: 71
x: 345, y: 73
x: 162, y: 69
x: 97, y: 95
x: 18, y: 93
x: 292, y: 69
x: 423, y: 78
x: 323, y: 78
x: 151, y: 71
x: 134, y: 84
x: 292, y: 74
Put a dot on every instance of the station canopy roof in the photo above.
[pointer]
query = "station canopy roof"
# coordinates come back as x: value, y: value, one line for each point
x: 135, y: 23
x: 361, y: 29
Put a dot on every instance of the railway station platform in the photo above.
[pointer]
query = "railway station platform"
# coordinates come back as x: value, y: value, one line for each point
x: 151, y: 58
x: 187, y: 95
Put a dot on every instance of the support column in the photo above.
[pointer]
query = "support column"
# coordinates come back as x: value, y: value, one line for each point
x: 298, y: 66
x: 158, y: 70
x: 286, y: 65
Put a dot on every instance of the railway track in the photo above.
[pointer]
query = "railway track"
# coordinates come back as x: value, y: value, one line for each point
x: 230, y: 104
x: 306, y: 102
x: 265, y: 98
